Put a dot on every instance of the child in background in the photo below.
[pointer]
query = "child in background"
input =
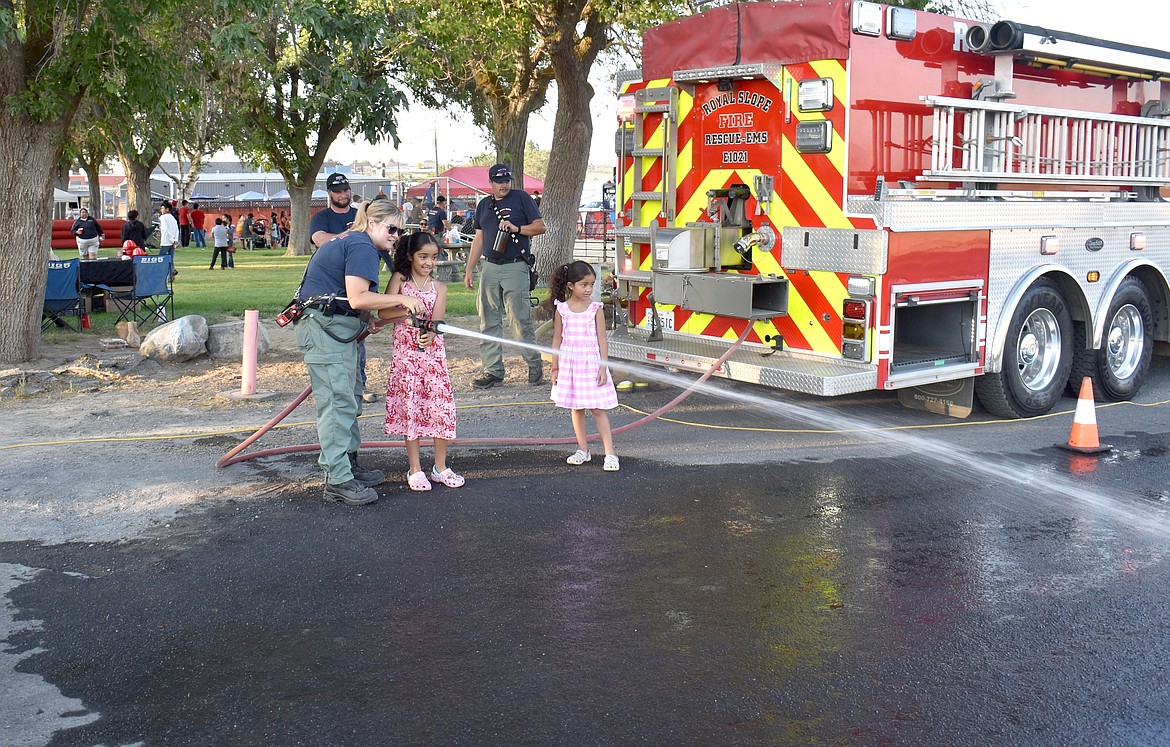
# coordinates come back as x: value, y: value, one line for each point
x: 584, y: 382
x: 419, y: 400
x: 231, y: 240
x: 219, y: 240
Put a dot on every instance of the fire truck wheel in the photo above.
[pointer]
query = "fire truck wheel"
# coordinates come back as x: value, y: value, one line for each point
x: 1037, y: 357
x: 1118, y: 369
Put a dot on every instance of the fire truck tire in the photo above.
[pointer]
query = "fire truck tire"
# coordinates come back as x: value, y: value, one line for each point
x: 1119, y: 368
x: 1037, y: 357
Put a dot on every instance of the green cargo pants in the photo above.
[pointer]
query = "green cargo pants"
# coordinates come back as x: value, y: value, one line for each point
x: 504, y: 289
x: 333, y: 372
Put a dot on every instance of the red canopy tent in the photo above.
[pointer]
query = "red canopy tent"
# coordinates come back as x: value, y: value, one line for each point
x: 465, y: 183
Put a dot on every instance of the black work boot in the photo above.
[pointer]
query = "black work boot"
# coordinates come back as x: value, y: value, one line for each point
x: 350, y: 492
x: 486, y: 381
x: 367, y: 477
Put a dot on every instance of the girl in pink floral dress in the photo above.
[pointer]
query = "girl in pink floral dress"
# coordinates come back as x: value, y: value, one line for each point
x: 581, y: 380
x: 419, y: 400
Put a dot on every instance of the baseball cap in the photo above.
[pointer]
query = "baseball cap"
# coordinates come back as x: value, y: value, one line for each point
x: 337, y: 183
x: 500, y: 173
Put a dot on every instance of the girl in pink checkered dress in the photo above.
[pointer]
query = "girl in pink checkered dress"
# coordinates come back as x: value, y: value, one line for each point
x: 580, y: 377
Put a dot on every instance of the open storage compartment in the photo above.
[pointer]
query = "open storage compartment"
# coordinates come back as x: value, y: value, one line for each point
x: 935, y: 327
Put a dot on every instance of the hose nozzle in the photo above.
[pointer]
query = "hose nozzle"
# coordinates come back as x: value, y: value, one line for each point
x: 425, y: 324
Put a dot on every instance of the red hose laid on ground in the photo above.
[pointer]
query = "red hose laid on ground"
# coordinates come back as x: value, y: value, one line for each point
x: 232, y: 458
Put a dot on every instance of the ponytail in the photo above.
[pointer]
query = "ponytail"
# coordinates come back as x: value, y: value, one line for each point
x: 570, y: 272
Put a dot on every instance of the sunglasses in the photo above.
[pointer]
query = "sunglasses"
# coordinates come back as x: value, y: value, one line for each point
x: 393, y: 230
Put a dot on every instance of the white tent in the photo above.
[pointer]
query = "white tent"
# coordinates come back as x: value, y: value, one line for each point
x: 250, y: 196
x: 60, y: 195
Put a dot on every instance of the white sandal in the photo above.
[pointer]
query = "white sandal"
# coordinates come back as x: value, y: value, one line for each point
x: 611, y: 463
x: 448, y: 478
x: 418, y: 482
x: 579, y: 457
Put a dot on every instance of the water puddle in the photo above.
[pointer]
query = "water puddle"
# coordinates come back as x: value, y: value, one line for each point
x: 31, y: 707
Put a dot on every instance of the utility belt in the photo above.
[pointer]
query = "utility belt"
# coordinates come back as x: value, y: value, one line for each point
x: 504, y: 261
x: 330, y: 306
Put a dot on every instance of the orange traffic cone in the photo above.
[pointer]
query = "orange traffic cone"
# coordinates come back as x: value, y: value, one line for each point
x: 1083, y: 438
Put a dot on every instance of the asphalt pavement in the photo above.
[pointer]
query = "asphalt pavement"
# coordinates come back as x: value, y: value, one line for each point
x: 746, y: 578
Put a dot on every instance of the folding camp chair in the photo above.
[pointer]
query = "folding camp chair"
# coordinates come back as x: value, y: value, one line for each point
x: 63, y: 295
x: 151, y: 293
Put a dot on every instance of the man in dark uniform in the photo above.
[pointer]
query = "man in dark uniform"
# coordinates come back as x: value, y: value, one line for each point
x: 504, y: 225
x: 437, y: 222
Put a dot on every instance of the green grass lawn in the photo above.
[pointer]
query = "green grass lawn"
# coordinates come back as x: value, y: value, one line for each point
x: 263, y: 279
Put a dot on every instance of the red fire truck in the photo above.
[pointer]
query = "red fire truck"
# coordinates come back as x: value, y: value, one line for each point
x: 895, y: 200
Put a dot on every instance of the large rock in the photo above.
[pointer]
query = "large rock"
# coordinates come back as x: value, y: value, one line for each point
x: 226, y: 340
x: 180, y: 340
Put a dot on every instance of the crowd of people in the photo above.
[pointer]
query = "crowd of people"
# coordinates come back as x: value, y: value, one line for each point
x: 340, y: 304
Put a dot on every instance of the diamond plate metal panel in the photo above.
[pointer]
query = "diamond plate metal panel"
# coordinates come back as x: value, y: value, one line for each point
x: 778, y: 370
x: 861, y: 252
x: 1015, y: 258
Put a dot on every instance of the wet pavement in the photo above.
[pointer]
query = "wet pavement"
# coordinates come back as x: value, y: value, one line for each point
x: 730, y: 588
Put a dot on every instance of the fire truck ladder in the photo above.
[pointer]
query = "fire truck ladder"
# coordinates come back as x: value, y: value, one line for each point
x: 989, y: 141
x: 652, y: 106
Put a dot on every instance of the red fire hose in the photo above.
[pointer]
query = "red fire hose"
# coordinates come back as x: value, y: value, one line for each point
x: 234, y: 456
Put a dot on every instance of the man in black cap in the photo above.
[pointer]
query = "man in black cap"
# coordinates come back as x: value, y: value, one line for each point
x: 504, y: 225
x: 330, y: 223
x: 437, y: 222
x: 338, y: 217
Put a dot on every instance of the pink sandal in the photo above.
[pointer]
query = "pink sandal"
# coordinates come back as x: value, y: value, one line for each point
x: 418, y: 481
x: 448, y: 478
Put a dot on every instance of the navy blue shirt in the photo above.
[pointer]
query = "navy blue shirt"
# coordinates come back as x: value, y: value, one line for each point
x: 351, y: 254
x: 436, y: 216
x: 516, y: 207
x: 330, y: 221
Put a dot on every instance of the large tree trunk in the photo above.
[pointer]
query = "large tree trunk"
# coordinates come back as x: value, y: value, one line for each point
x: 92, y: 173
x: 572, y: 134
x: 299, y: 215
x: 31, y: 150
x: 138, y: 183
x: 566, y: 173
x: 511, y: 136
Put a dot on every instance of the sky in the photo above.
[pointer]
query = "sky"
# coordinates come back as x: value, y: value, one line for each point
x: 1140, y: 22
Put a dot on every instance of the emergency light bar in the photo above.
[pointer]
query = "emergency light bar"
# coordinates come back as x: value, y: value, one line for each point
x: 743, y: 72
